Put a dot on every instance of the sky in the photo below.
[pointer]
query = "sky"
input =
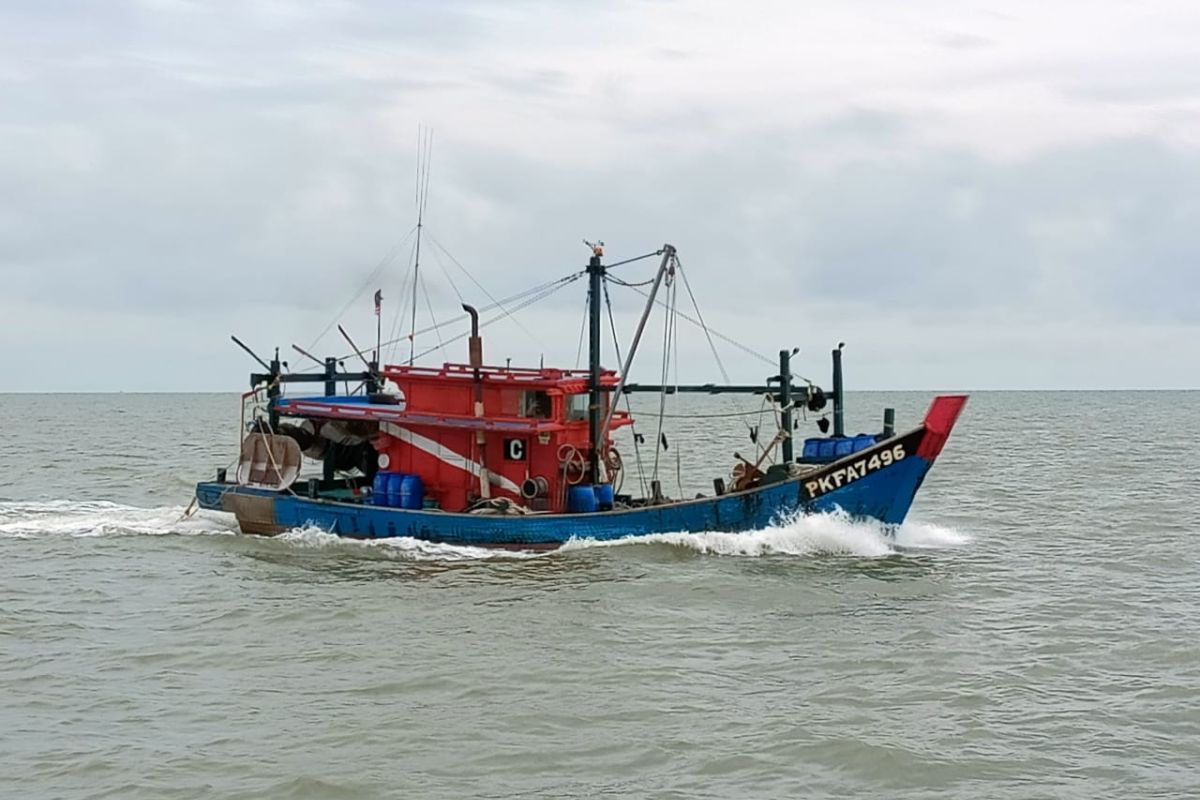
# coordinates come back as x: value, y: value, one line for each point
x: 998, y: 195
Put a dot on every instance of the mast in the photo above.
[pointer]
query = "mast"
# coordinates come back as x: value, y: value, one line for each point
x: 785, y: 403
x: 412, y: 331
x: 668, y: 253
x: 595, y: 272
x: 327, y: 465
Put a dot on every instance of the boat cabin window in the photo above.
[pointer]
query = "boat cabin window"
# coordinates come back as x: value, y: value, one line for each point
x: 577, y: 407
x: 535, y: 404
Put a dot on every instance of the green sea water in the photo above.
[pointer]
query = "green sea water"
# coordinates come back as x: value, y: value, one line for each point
x: 1030, y: 632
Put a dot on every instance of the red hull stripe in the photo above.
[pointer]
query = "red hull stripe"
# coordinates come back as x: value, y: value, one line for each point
x: 939, y: 421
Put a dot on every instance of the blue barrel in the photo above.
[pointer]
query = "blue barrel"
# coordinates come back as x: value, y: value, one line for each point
x: 581, y: 499
x: 827, y: 449
x: 604, y: 496
x: 843, y: 447
x: 863, y: 441
x: 812, y: 449
x: 411, y: 492
x: 393, y: 488
x: 379, y: 489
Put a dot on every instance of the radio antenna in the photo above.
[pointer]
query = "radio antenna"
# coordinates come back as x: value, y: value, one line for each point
x: 424, y: 157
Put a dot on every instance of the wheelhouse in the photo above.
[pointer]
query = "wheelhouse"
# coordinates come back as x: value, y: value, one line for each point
x: 474, y: 434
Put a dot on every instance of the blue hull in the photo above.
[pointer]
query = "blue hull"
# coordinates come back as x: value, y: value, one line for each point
x: 879, y: 483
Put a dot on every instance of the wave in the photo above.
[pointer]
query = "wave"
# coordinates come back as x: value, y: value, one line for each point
x: 403, y: 546
x: 815, y: 535
x: 100, y: 518
x: 803, y: 535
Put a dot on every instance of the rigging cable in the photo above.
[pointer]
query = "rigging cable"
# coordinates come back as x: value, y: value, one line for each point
x: 375, y: 273
x: 744, y: 348
x: 549, y: 290
x: 437, y: 328
x: 587, y: 302
x: 401, y: 304
x: 541, y: 290
x: 632, y: 260
x: 723, y: 415
x: 729, y: 402
x: 696, y: 306
x: 482, y: 288
x: 709, y: 334
x: 446, y: 272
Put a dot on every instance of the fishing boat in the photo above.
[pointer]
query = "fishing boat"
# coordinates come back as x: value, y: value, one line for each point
x: 501, y: 456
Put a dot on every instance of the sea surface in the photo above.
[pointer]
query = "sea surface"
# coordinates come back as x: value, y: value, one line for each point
x: 1033, y: 631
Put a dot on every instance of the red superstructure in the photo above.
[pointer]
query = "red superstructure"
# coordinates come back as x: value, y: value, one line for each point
x: 529, y: 435
x: 533, y: 425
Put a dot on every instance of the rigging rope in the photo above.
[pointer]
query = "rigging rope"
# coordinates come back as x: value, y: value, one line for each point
x: 630, y: 284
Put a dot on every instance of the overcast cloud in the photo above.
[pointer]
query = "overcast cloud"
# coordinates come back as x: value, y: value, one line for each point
x: 971, y: 195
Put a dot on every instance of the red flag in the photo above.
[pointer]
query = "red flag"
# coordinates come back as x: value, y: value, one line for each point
x: 378, y: 300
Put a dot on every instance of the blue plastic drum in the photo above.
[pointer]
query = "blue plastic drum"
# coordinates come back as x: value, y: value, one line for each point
x: 581, y: 499
x: 863, y: 441
x: 393, y: 488
x: 604, y: 496
x: 411, y: 492
x: 379, y: 489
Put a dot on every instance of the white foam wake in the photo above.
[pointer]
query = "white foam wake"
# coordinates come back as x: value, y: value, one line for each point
x: 928, y: 536
x: 816, y: 535
x: 402, y: 547
x: 811, y: 535
x: 99, y: 518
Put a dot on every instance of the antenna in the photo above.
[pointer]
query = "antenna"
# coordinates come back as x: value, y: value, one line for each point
x: 424, y: 157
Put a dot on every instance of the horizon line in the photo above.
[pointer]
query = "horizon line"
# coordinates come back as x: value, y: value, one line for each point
x: 15, y: 392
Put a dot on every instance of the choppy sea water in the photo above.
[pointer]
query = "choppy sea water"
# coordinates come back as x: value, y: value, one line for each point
x: 1030, y: 632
